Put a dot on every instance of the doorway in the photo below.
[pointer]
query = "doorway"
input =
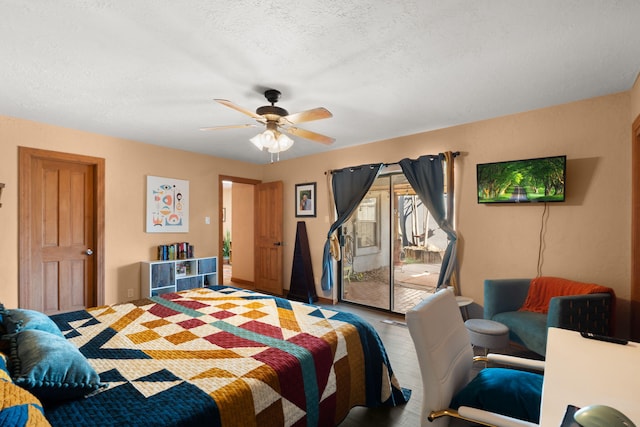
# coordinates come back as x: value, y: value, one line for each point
x: 226, y: 218
x: 61, y: 229
x: 392, y: 249
x: 236, y: 230
x: 253, y: 215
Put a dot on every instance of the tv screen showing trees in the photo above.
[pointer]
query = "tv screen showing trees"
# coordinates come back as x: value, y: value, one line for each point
x: 522, y: 181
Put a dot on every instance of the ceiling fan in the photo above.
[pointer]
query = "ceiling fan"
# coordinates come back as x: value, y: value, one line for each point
x: 278, y: 121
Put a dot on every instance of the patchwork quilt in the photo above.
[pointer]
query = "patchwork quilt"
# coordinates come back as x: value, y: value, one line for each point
x: 223, y: 356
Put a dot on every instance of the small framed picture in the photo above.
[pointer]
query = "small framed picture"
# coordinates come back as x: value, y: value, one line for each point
x: 306, y: 199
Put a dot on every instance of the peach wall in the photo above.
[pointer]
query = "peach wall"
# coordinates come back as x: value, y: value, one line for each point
x: 127, y: 165
x: 587, y: 238
x: 243, y: 232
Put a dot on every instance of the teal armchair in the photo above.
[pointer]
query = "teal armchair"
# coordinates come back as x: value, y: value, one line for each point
x: 586, y: 312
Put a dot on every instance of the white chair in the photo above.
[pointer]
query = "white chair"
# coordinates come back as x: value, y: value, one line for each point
x: 446, y: 361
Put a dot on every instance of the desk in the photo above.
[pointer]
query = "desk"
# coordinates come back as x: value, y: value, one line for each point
x: 584, y: 372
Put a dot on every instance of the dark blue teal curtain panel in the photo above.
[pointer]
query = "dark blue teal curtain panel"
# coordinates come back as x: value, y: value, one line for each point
x: 426, y: 176
x: 349, y: 186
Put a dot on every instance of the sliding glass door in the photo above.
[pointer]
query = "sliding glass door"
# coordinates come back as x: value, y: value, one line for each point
x: 392, y: 248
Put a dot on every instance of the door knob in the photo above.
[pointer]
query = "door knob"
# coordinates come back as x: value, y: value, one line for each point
x: 277, y: 244
x: 89, y: 252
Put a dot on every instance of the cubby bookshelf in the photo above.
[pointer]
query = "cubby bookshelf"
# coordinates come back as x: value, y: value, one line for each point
x: 160, y: 277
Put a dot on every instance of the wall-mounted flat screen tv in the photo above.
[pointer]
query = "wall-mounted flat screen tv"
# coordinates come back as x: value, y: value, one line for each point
x: 522, y: 181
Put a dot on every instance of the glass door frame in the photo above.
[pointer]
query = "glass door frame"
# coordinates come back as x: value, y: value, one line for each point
x: 414, y: 287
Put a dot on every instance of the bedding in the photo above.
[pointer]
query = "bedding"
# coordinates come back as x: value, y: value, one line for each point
x: 223, y: 356
x: 18, y: 407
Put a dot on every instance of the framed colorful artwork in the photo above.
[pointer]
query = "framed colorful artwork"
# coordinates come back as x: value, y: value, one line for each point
x: 306, y: 199
x: 167, y: 205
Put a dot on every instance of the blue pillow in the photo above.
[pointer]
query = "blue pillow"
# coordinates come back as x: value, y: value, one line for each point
x: 504, y: 391
x: 51, y: 367
x: 19, y: 319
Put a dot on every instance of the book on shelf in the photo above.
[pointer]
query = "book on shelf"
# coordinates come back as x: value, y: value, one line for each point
x: 174, y: 251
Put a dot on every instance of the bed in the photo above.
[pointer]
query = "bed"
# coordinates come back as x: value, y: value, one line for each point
x: 223, y: 356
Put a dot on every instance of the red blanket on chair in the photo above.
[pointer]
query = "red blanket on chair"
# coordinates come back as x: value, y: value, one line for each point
x: 542, y: 289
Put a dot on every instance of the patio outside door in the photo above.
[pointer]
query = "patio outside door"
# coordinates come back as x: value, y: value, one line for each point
x: 392, y: 248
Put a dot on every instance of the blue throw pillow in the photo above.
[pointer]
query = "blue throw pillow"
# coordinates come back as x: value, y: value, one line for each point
x: 504, y: 391
x: 51, y: 367
x: 18, y: 319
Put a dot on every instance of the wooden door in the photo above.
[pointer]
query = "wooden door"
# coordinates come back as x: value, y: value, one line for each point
x: 61, y: 224
x: 268, y: 240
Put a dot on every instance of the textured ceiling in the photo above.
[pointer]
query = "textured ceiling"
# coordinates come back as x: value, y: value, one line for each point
x: 148, y: 70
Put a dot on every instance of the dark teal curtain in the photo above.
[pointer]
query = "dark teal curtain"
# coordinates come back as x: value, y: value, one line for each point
x: 349, y: 185
x: 426, y: 176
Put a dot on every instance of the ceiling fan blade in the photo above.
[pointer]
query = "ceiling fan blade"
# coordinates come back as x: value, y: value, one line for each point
x: 309, y: 115
x: 307, y: 134
x: 249, y: 125
x: 239, y: 108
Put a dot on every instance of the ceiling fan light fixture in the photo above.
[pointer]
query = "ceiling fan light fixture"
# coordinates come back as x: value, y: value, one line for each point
x: 257, y: 141
x: 273, y: 141
x: 265, y: 139
x: 282, y: 143
x: 268, y: 138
